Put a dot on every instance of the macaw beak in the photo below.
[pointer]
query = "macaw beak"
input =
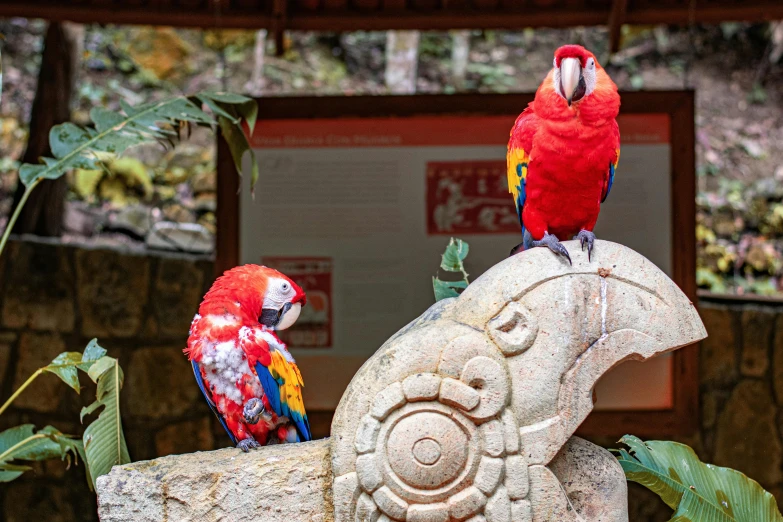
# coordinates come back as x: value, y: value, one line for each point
x: 570, y: 78
x: 289, y: 316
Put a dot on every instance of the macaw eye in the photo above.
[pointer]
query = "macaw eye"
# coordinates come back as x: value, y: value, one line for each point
x: 591, y: 63
x: 284, y: 286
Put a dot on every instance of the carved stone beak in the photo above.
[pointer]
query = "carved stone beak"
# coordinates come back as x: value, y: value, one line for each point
x: 570, y: 74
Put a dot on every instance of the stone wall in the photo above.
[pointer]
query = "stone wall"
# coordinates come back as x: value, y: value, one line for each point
x: 56, y: 297
x: 741, y: 386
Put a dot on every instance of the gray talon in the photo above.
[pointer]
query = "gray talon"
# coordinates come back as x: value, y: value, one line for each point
x: 585, y: 236
x: 253, y: 410
x: 550, y: 241
x: 248, y: 444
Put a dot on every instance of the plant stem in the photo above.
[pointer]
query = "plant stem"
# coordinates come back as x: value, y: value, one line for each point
x: 16, y: 394
x: 11, y: 222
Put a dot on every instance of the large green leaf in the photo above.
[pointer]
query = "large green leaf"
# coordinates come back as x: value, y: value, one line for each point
x: 697, y: 492
x: 113, y: 132
x: 104, y: 440
x: 22, y: 443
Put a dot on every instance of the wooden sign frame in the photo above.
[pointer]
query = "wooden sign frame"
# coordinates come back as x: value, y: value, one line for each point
x: 683, y: 416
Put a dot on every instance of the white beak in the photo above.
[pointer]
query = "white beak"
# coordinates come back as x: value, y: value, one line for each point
x: 290, y: 317
x: 570, y: 73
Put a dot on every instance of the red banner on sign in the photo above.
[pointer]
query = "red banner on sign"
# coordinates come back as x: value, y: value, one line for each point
x: 425, y: 131
x: 314, y: 275
x: 469, y: 197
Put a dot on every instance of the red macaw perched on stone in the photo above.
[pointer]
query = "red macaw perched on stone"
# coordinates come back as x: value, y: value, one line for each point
x: 244, y: 370
x: 563, y: 153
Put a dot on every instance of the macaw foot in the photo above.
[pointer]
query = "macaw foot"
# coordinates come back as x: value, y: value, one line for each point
x: 517, y: 249
x: 253, y: 410
x: 550, y: 241
x: 585, y: 236
x: 248, y: 444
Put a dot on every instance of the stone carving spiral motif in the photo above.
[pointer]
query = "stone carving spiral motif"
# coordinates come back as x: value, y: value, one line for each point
x: 435, y: 448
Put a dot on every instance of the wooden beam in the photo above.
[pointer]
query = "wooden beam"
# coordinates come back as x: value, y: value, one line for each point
x: 337, y: 20
x: 616, y: 17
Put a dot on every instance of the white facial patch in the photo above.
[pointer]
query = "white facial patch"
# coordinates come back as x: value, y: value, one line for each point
x: 588, y: 73
x: 278, y: 293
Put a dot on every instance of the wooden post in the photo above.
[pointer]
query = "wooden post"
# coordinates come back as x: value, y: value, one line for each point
x: 43, y: 213
x: 616, y: 19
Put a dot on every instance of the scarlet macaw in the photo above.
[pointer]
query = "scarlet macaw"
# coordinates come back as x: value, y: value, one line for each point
x: 244, y: 370
x: 563, y: 153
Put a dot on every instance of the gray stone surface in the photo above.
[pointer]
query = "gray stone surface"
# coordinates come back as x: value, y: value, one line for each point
x: 279, y: 483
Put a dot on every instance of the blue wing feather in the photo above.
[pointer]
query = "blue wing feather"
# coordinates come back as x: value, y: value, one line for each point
x: 200, y: 382
x: 271, y: 388
x: 611, y: 180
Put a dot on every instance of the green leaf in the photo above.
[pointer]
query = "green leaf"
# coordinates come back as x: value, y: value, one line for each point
x: 100, y: 366
x: 226, y: 97
x: 455, y: 254
x: 23, y: 444
x: 104, y: 440
x: 446, y: 289
x: 105, y: 119
x: 76, y: 147
x: 238, y: 144
x: 64, y: 366
x: 92, y: 352
x: 697, y: 492
x: 217, y: 109
x: 249, y: 112
x: 10, y: 472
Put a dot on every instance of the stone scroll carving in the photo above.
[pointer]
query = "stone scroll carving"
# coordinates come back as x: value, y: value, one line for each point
x: 468, y: 412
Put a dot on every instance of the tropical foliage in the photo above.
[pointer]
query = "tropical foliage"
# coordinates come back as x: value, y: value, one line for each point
x: 697, y: 492
x: 103, y: 443
x: 97, y: 149
x: 453, y: 260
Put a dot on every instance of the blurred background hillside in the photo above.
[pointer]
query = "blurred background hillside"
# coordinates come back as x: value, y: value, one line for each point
x: 735, y: 69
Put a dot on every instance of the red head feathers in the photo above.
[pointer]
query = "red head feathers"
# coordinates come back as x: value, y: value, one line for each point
x: 577, y: 86
x: 253, y: 293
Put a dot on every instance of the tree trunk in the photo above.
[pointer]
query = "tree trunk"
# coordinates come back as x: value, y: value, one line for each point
x: 256, y: 85
x: 402, y: 56
x: 460, y: 51
x: 43, y: 213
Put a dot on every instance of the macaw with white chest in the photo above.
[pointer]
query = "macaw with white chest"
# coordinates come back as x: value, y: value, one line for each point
x: 248, y: 377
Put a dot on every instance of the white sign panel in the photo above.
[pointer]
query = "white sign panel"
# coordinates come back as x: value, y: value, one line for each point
x: 359, y: 211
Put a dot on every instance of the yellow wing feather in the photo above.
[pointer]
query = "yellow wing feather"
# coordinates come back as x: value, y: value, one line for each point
x: 291, y: 389
x: 516, y: 171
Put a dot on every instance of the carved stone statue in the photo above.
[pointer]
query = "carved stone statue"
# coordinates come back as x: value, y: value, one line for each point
x: 461, y: 413
x: 468, y: 412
